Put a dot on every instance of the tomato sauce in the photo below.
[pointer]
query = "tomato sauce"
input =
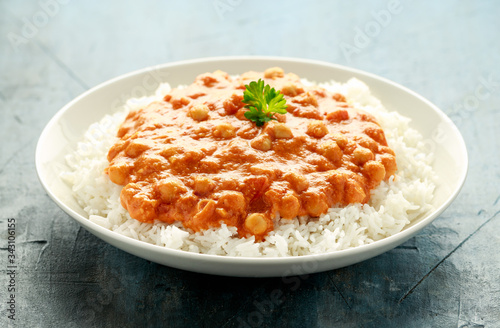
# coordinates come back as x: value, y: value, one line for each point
x: 195, y: 158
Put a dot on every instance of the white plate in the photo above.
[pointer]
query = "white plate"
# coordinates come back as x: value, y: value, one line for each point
x: 66, y: 128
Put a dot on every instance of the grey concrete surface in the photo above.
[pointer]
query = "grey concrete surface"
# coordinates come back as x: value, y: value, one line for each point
x: 51, y: 51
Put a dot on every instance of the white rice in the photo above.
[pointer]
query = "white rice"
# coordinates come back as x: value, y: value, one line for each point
x: 393, y: 205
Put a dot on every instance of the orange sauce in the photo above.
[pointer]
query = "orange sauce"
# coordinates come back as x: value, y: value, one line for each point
x: 195, y: 158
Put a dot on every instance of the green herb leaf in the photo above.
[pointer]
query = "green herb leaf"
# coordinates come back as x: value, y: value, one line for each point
x: 262, y: 102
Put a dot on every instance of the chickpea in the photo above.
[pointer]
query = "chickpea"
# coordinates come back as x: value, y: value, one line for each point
x: 224, y: 130
x: 262, y: 142
x: 170, y: 189
x: 317, y: 129
x: 374, y: 170
x: 331, y: 151
x: 256, y: 223
x: 203, y: 185
x: 362, y: 155
x: 273, y: 73
x: 368, y: 143
x: 338, y: 115
x: 290, y: 206
x: 337, y: 181
x: 306, y: 99
x: 340, y: 139
x: 232, y: 201
x: 137, y: 147
x: 118, y: 173
x: 298, y: 182
x: 209, y: 165
x: 291, y: 90
x: 199, y: 112
x: 354, y: 192
x: 315, y: 204
x: 376, y: 133
x: 281, y: 131
x: 169, y: 151
x: 389, y: 162
x: 269, y: 171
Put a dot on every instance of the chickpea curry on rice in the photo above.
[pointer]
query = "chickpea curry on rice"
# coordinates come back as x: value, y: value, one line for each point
x: 196, y: 158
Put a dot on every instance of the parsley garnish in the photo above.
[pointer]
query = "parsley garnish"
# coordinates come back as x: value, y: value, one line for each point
x: 263, y: 102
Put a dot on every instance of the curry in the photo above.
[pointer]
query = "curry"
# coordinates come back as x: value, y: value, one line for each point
x: 195, y: 158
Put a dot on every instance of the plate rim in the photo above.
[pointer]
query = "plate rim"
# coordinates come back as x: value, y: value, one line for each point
x: 402, y: 235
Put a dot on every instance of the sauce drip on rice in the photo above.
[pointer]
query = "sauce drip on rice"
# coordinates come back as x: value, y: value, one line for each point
x: 195, y: 158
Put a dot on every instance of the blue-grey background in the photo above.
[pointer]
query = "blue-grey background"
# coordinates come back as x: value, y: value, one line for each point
x: 448, y: 51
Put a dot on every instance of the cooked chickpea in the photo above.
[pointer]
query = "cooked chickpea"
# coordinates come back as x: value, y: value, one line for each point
x: 340, y: 139
x: 232, y: 201
x: 306, y: 99
x: 291, y: 89
x: 389, y: 162
x: 256, y: 223
x: 298, y: 181
x: 273, y: 73
x: 169, y: 151
x: 281, y: 131
x: 376, y: 133
x: 262, y: 142
x: 374, y: 170
x: 315, y: 204
x: 317, y: 129
x: 387, y: 150
x: 118, y: 173
x: 224, y: 130
x: 269, y: 171
x: 199, y: 112
x: 362, y: 155
x: 338, y: 115
x: 203, y: 185
x: 368, y: 143
x: 137, y: 147
x: 354, y: 193
x: 331, y: 151
x: 170, y: 189
x: 290, y: 206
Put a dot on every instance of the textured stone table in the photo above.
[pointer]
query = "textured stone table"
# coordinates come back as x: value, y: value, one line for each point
x: 50, y: 52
